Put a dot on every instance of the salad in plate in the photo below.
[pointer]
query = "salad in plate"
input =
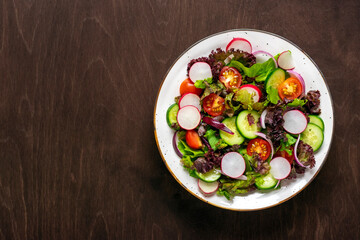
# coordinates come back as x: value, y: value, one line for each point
x: 243, y: 121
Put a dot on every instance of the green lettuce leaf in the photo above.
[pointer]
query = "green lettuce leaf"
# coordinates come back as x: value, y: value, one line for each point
x: 201, y: 83
x: 273, y: 95
x: 297, y: 103
x: 214, y: 141
x: 259, y: 71
x: 187, y: 151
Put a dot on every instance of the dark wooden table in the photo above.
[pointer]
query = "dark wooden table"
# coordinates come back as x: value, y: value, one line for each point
x: 78, y: 157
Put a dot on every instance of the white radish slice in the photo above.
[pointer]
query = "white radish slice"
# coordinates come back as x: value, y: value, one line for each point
x: 263, y: 56
x: 188, y: 117
x: 262, y: 135
x: 295, y: 121
x: 295, y: 152
x: 208, y: 187
x: 262, y: 118
x: 233, y: 165
x: 280, y: 168
x: 190, y: 99
x: 300, y: 78
x: 255, y: 91
x: 285, y: 60
x: 240, y: 44
x: 200, y: 71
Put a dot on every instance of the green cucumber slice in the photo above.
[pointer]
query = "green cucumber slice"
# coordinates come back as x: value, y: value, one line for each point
x: 171, y: 114
x: 317, y: 121
x: 236, y: 138
x: 275, y: 79
x: 210, y: 176
x: 243, y: 126
x: 313, y: 135
x: 266, y: 182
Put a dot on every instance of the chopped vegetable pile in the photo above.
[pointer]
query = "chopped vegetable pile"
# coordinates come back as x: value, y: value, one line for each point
x: 243, y: 125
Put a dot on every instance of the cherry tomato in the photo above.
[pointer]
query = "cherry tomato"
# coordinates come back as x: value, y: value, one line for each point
x: 260, y: 146
x: 193, y: 140
x: 291, y: 88
x: 187, y: 86
x: 214, y: 105
x: 230, y: 77
x: 285, y: 155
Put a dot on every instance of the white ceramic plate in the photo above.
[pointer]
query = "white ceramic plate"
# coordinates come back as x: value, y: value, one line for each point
x: 260, y: 40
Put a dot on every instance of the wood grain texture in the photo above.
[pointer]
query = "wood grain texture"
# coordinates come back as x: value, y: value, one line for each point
x: 78, y: 158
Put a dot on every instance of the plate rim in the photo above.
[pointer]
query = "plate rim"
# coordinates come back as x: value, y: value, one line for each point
x: 157, y: 98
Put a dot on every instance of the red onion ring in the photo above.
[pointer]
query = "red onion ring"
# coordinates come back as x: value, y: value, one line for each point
x: 295, y: 152
x: 300, y: 78
x: 277, y: 184
x: 262, y: 118
x: 262, y: 135
x: 264, y: 52
x: 217, y: 124
x: 175, y: 141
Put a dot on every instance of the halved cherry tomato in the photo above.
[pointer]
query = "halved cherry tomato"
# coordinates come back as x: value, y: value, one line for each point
x: 187, y: 86
x: 260, y: 146
x: 291, y: 88
x: 214, y: 105
x: 230, y: 77
x: 285, y: 155
x: 193, y: 140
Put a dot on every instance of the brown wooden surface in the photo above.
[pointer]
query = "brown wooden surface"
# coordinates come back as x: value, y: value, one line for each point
x: 78, y: 83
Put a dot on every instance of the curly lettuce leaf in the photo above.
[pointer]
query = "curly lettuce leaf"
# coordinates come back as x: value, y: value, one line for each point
x: 273, y: 95
x: 214, y: 141
x: 187, y: 151
x: 297, y: 103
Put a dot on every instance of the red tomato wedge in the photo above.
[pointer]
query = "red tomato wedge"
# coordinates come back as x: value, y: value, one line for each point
x: 230, y: 77
x: 291, y: 88
x: 285, y: 155
x: 260, y: 146
x: 187, y: 86
x: 214, y: 105
x: 193, y: 139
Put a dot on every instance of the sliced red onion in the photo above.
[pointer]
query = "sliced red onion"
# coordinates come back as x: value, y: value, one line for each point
x: 262, y: 118
x: 264, y: 52
x: 217, y: 124
x: 278, y: 183
x: 262, y: 135
x: 242, y: 177
x: 300, y: 78
x: 175, y: 141
x: 228, y: 59
x: 295, y: 152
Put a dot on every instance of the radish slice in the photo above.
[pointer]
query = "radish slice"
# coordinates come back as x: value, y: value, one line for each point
x: 200, y: 71
x: 233, y: 164
x: 295, y: 121
x: 217, y: 124
x: 262, y: 118
x: 188, y: 117
x: 295, y: 152
x: 263, y: 56
x: 280, y: 168
x: 262, y: 135
x: 285, y: 60
x: 208, y: 187
x: 300, y: 78
x: 240, y: 44
x: 175, y: 141
x: 190, y: 99
x: 253, y: 90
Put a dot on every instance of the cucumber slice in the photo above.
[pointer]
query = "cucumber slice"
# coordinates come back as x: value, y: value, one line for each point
x: 313, y: 135
x: 171, y: 114
x: 266, y: 182
x: 243, y: 126
x: 317, y: 121
x: 236, y: 138
x: 275, y: 79
x: 210, y: 176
